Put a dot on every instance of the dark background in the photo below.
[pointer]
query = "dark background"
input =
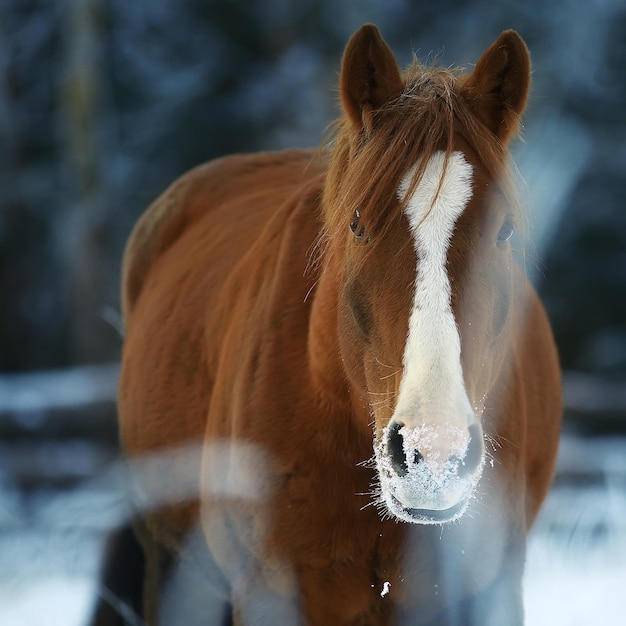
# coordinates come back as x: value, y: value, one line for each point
x: 104, y: 102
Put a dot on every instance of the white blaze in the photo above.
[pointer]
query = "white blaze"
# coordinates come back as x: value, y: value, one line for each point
x: 433, y: 411
x: 432, y: 392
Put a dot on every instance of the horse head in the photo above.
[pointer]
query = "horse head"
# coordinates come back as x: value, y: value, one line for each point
x: 419, y: 208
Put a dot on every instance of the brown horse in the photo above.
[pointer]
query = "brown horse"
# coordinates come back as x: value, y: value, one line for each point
x: 336, y: 329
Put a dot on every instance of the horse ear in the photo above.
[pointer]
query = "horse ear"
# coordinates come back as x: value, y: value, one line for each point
x: 498, y: 87
x: 369, y: 76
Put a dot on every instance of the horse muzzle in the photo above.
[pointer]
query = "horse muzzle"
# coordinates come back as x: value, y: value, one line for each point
x: 428, y: 474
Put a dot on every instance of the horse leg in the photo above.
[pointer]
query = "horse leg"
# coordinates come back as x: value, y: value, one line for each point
x: 465, y: 575
x: 183, y: 587
x: 158, y: 564
x: 194, y: 592
x: 498, y: 605
x: 120, y: 589
x: 145, y: 584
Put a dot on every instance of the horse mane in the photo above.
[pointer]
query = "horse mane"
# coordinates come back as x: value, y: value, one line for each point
x: 366, y: 167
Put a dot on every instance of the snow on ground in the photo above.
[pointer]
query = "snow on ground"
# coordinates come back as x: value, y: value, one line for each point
x: 52, y: 601
x: 576, y: 572
x: 576, y: 568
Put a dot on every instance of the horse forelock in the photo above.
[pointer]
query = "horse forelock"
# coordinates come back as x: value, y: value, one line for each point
x: 367, y: 168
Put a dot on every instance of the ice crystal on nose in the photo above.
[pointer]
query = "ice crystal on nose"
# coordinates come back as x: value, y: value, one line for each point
x: 434, y: 483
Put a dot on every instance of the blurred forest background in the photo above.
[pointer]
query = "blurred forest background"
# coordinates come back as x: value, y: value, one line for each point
x: 103, y: 103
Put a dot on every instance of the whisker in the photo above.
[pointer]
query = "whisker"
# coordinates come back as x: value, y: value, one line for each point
x: 382, y: 364
x: 493, y: 441
x: 365, y: 506
x: 379, y: 402
x: 492, y: 459
x: 380, y: 393
x: 392, y: 374
x: 308, y: 293
x: 370, y: 463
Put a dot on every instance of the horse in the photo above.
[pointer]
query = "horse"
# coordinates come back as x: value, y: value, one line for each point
x: 339, y: 353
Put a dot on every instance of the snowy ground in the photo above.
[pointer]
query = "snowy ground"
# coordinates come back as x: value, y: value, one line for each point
x: 50, y: 545
x: 576, y: 571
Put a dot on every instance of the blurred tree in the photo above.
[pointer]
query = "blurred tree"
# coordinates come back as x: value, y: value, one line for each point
x: 32, y: 309
x: 83, y: 259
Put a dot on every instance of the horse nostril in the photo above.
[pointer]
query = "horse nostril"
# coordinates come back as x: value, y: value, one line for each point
x: 395, y: 446
x: 464, y: 466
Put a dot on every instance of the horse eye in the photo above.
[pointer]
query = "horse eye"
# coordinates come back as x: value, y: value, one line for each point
x: 357, y: 228
x: 506, y: 231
